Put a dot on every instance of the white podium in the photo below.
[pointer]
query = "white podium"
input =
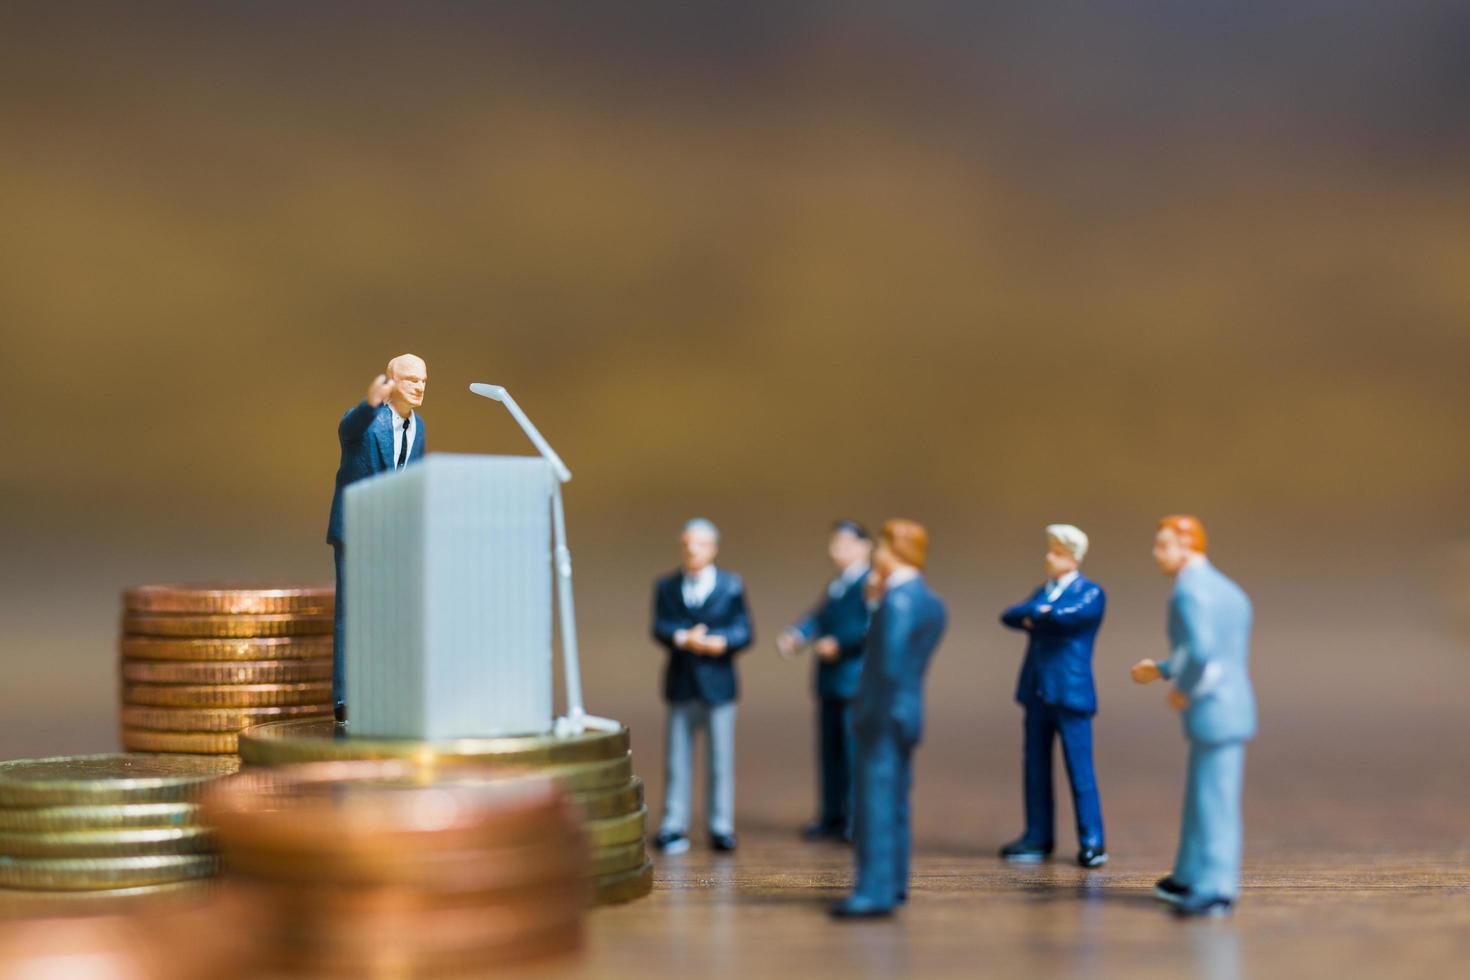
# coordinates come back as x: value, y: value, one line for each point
x: 449, y: 598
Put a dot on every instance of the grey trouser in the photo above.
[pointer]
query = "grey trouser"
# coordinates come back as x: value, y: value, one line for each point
x: 718, y: 721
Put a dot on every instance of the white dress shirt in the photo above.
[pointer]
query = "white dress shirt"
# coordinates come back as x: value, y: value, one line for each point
x: 698, y: 588
x: 403, y: 428
x: 1054, y: 589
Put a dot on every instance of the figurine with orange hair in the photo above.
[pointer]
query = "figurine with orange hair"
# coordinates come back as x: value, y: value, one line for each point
x: 888, y: 717
x: 1209, y: 634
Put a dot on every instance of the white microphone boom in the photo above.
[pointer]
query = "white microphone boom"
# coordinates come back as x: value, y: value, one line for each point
x: 499, y: 394
x: 577, y: 718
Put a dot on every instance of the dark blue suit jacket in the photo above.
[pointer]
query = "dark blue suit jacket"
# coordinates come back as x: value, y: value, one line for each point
x: 690, y: 676
x: 1057, y: 670
x: 905, y: 632
x: 846, y: 619
x: 366, y: 436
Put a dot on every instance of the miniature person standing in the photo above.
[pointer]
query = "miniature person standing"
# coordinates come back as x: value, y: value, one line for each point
x: 836, y: 629
x: 888, y: 718
x: 1209, y: 634
x: 1061, y: 620
x: 383, y: 432
x: 700, y: 618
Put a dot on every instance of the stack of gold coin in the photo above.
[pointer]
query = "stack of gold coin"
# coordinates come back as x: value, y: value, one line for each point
x: 201, y: 663
x: 594, y: 768
x: 116, y: 823
x: 397, y: 868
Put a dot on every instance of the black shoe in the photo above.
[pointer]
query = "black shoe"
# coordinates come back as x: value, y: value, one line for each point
x: 1192, y: 905
x: 1023, y: 851
x: 671, y: 842
x: 1168, y: 890
x: 824, y: 830
x: 722, y: 842
x: 339, y: 712
x: 1092, y: 857
x: 857, y: 907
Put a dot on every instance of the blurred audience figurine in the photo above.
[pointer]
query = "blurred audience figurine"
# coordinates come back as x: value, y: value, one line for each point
x: 1209, y: 639
x: 700, y: 617
x: 888, y: 718
x: 383, y: 432
x: 835, y: 629
x: 1061, y: 620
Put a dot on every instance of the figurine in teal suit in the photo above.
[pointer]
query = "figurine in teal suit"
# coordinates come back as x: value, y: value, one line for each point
x: 382, y: 432
x: 888, y: 718
x: 1209, y: 636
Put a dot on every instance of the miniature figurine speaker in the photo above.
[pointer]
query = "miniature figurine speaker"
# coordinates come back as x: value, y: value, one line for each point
x: 449, y: 634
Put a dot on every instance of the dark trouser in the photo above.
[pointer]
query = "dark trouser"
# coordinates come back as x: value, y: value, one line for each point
x: 339, y: 674
x: 881, y: 839
x: 835, y: 749
x: 1043, y: 724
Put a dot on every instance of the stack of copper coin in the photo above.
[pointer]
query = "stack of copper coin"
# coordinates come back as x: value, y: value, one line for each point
x: 121, y: 824
x: 379, y: 868
x: 594, y: 768
x: 201, y: 663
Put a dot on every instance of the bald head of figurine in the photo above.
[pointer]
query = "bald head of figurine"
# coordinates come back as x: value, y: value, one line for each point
x: 700, y: 545
x: 1179, y: 543
x: 410, y: 376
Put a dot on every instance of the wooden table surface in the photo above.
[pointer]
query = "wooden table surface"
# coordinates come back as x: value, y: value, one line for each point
x: 1357, y: 864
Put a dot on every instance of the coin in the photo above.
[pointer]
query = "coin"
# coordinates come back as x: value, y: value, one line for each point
x: 253, y: 648
x: 98, y: 779
x: 230, y: 599
x: 225, y: 626
x: 115, y: 816
x: 213, y: 719
x: 623, y: 886
x: 83, y: 874
x: 414, y: 934
x: 106, y: 843
x: 193, y: 743
x: 618, y: 857
x: 615, y: 802
x: 26, y: 900
x: 226, y: 695
x: 616, y: 830
x: 312, y: 741
x: 226, y: 672
x: 338, y: 809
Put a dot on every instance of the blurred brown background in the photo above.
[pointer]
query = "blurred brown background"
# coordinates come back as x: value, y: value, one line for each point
x: 772, y: 264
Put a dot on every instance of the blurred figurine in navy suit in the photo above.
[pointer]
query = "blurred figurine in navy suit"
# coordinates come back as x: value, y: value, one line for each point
x: 836, y: 628
x: 1209, y: 639
x: 1061, y: 620
x: 888, y: 718
x: 700, y: 618
x: 383, y: 432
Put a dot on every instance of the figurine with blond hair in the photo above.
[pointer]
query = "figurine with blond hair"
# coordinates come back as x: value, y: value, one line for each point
x: 1209, y: 636
x: 888, y: 718
x: 382, y: 432
x: 1061, y: 620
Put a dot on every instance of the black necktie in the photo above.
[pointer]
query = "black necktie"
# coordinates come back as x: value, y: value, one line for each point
x: 403, y: 453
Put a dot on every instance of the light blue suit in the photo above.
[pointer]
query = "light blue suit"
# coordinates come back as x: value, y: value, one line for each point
x: 1209, y: 634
